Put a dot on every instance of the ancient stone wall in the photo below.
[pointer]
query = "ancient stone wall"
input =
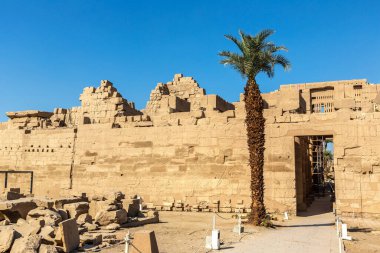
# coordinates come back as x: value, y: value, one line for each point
x: 197, y: 155
x: 190, y: 146
x: 354, y: 126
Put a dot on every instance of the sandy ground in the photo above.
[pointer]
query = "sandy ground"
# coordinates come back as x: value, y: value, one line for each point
x: 186, y: 232
x: 311, y: 232
x: 365, y: 234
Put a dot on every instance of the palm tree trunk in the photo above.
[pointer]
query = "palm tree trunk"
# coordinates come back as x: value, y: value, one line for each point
x: 255, y: 130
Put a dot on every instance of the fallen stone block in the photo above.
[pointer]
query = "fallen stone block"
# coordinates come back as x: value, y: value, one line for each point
x: 144, y: 241
x: 10, y: 195
x: 47, y: 249
x: 91, y: 227
x: 44, y: 202
x: 76, y: 209
x: 47, y: 232
x: 105, y: 218
x: 15, y: 189
x: 133, y: 207
x: 59, y: 203
x: 27, y: 229
x: 6, y: 239
x: 69, y: 234
x: 141, y: 222
x: 94, y: 239
x: 152, y: 213
x: 106, y: 205
x: 50, y: 217
x: 15, y: 209
x: 84, y: 218
x: 98, y: 198
x: 27, y: 244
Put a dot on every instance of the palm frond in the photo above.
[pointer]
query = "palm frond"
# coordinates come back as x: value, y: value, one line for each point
x: 264, y: 34
x: 257, y: 54
x: 236, y: 41
x: 281, y: 60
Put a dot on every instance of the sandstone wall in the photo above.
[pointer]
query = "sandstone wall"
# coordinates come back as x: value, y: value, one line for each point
x: 189, y: 163
x: 354, y: 127
x: 192, y: 147
x: 46, y: 152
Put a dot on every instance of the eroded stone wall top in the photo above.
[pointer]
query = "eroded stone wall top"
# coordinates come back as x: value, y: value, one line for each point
x: 183, y: 94
x: 322, y: 97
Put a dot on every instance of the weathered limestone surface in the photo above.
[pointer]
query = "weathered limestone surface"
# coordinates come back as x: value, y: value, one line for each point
x: 191, y: 147
x: 70, y: 235
x: 197, y: 146
x: 145, y: 242
x: 350, y: 117
x: 6, y: 239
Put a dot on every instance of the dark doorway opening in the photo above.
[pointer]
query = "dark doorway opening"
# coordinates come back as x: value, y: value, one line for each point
x: 314, y: 168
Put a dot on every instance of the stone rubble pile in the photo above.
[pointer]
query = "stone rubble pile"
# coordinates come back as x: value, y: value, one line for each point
x: 38, y: 224
x: 170, y: 204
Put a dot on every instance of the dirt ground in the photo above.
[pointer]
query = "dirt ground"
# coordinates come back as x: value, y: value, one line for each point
x: 186, y: 232
x: 365, y: 234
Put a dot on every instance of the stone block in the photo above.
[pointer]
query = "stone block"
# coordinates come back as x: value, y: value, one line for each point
x: 50, y: 217
x: 69, y: 234
x: 47, y: 249
x: 144, y: 241
x: 26, y: 244
x: 76, y: 209
x: 10, y: 195
x: 15, y: 209
x: 214, y: 102
x: 84, y: 218
x: 27, y: 229
x: 6, y: 239
x: 105, y: 218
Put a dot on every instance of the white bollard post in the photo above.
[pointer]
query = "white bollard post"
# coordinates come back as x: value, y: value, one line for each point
x: 215, y: 239
x: 286, y: 217
x: 127, y: 242
x: 337, y: 226
x: 344, y: 233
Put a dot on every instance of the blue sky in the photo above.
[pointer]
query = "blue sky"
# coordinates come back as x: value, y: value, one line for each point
x: 50, y: 50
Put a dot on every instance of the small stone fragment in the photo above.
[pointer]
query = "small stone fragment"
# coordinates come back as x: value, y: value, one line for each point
x: 6, y: 239
x: 113, y: 226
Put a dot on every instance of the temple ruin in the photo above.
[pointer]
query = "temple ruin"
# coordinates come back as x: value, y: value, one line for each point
x: 190, y: 148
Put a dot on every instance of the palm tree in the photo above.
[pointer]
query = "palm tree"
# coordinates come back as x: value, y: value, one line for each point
x: 256, y: 55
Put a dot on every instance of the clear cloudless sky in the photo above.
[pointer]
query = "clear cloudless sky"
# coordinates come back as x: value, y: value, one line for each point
x: 50, y: 50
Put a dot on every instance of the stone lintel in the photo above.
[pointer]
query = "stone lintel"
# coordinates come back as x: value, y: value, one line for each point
x: 29, y: 113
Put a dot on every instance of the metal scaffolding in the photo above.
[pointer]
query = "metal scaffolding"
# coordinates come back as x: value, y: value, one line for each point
x: 317, y: 162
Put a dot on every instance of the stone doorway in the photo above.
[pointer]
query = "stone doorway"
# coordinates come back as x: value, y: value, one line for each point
x: 314, y: 171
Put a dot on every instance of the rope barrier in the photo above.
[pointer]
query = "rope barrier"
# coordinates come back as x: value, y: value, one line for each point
x: 224, y: 217
x: 108, y: 247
